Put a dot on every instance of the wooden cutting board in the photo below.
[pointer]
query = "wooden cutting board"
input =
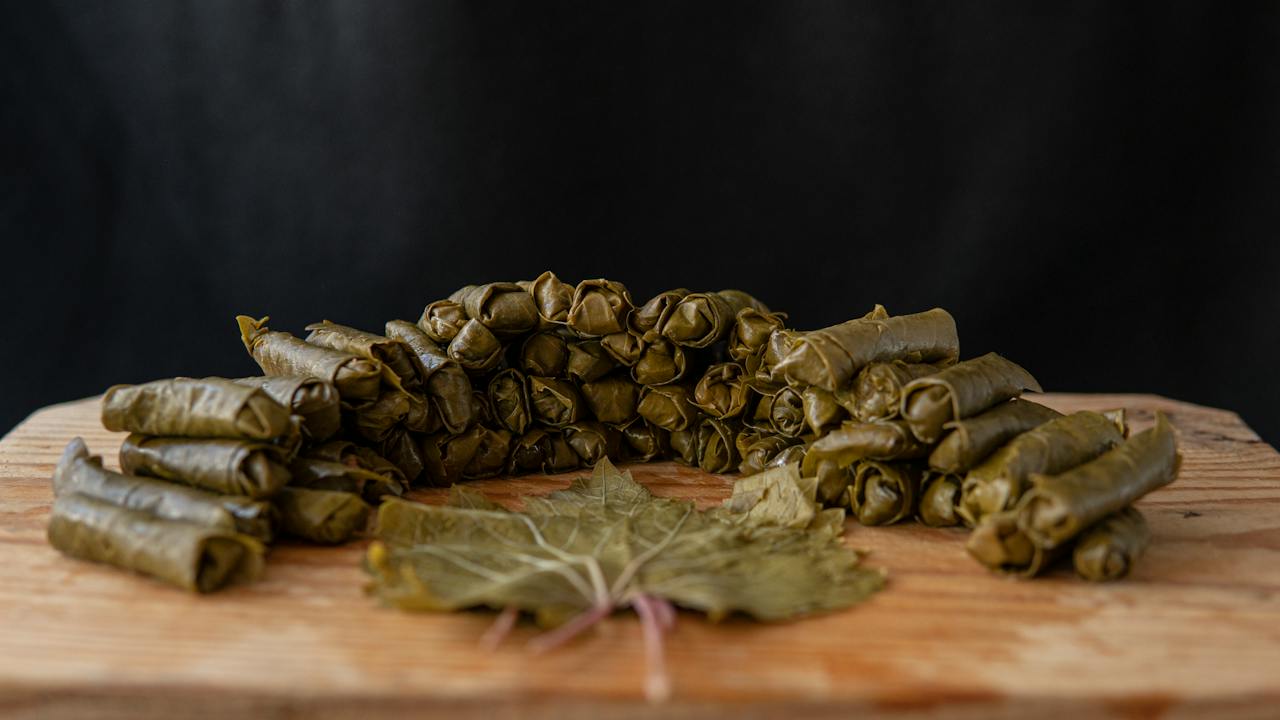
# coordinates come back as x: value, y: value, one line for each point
x: 1196, y: 630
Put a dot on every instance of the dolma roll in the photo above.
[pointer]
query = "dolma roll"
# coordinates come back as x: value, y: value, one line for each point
x: 357, y: 379
x: 422, y: 416
x: 781, y: 342
x: 757, y: 450
x: 553, y: 299
x: 829, y: 358
x: 555, y: 402
x: 644, y: 440
x: 79, y: 472
x: 599, y: 307
x: 186, y: 407
x: 853, y: 441
x: 971, y: 440
x: 750, y: 334
x: 722, y: 391
x: 684, y: 446
x: 475, y: 348
x: 626, y: 348
x: 588, y: 361
x: 490, y: 456
x: 670, y: 407
x: 545, y: 353
x: 220, y: 465
x: 194, y: 557
x: 325, y: 475
x: 962, y: 390
x: 834, y: 482
x: 444, y: 380
x: 648, y: 319
x: 326, y: 517
x: 998, y: 482
x: 612, y: 398
x: 481, y: 408
x: 717, y: 452
x: 402, y: 449
x: 503, y: 307
x: 442, y: 320
x: 998, y: 543
x: 394, y: 355
x: 877, y: 389
x: 822, y: 411
x: 316, y: 401
x: 1108, y: 550
x: 660, y: 362
x: 940, y: 498
x: 884, y: 493
x: 1059, y: 507
x: 530, y: 452
x: 593, y: 441
x: 700, y: 319
x: 509, y: 398
x: 791, y: 454
x: 778, y: 409
x: 375, y: 421
x: 349, y: 453
x: 446, y: 456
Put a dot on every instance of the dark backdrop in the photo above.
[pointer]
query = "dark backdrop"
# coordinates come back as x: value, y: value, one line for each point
x: 1090, y: 188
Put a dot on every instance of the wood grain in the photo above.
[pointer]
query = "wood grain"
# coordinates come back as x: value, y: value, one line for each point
x: 1195, y: 632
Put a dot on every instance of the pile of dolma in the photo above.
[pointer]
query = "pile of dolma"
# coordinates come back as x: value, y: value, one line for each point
x: 548, y: 376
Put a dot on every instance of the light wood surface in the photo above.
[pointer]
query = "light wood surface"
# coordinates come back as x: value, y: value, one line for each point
x: 1195, y: 632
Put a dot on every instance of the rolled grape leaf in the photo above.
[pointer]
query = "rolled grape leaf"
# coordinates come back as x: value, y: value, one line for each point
x: 588, y: 361
x: 1109, y: 549
x: 375, y: 421
x: 316, y: 401
x: 475, y: 348
x: 834, y: 482
x: 781, y: 342
x: 877, y: 389
x: 1059, y: 507
x: 750, y: 334
x: 490, y: 456
x: 670, y: 407
x: 717, y: 452
x: 530, y: 452
x: 357, y: 379
x: 756, y: 450
x: 79, y: 472
x: 700, y: 319
x: 626, y: 348
x: 684, y: 446
x: 940, y: 498
x: 960, y: 391
x: 884, y: 493
x: 593, y: 441
x: 442, y: 320
x: 822, y: 411
x: 829, y: 358
x: 220, y: 465
x: 999, y: 544
x: 851, y: 442
x: 555, y: 402
x: 194, y: 557
x: 660, y: 362
x: 509, y: 398
x: 446, y: 456
x: 775, y: 408
x: 422, y: 417
x: 482, y: 410
x: 545, y: 353
x: 403, y: 450
x: 321, y: 516
x: 612, y: 399
x: 599, y: 307
x: 341, y: 477
x: 185, y: 407
x: 395, y: 357
x: 349, y: 453
x: 648, y: 319
x: 553, y: 299
x: 444, y: 380
x: 644, y: 440
x: 722, y: 391
x: 998, y: 482
x: 972, y: 440
x: 503, y: 307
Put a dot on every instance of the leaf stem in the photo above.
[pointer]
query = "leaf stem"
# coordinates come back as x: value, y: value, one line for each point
x: 657, y: 682
x: 555, y: 638
x: 500, y: 628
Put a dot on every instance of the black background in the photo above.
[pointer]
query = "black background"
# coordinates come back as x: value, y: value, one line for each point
x: 1090, y: 188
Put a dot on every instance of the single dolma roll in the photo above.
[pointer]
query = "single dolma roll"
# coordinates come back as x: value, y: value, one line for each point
x: 444, y: 380
x: 648, y: 319
x: 422, y: 416
x: 757, y: 449
x: 776, y: 408
x: 530, y: 452
x: 1060, y: 506
x: 722, y: 391
x: 684, y: 446
x: 891, y: 440
x: 1108, y: 550
x: 185, y: 407
x: 220, y: 465
x: 877, y: 389
x: 940, y: 498
x: 555, y: 402
x: 644, y: 440
x: 357, y: 379
x: 553, y: 299
x: 612, y: 398
x: 625, y: 347
x: 503, y: 307
x: 660, y: 362
x: 599, y: 307
x: 593, y: 441
x: 446, y: 456
x: 509, y: 398
x: 781, y: 342
x: 821, y: 410
x: 475, y: 348
x: 442, y: 320
x: 829, y: 358
x: 395, y: 356
x: 750, y: 334
x: 998, y: 543
x: 670, y: 407
x: 717, y: 452
x: 884, y: 493
x: 325, y: 475
x: 327, y: 517
x: 960, y: 391
x: 79, y: 472
x: 700, y: 319
x: 998, y: 482
x: 792, y: 454
x: 349, y: 453
x: 195, y: 557
x: 490, y: 457
x: 403, y: 450
x: 481, y: 409
x: 375, y: 421
x: 545, y: 353
x: 316, y: 401
x: 588, y: 361
x: 834, y: 482
x: 972, y: 440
